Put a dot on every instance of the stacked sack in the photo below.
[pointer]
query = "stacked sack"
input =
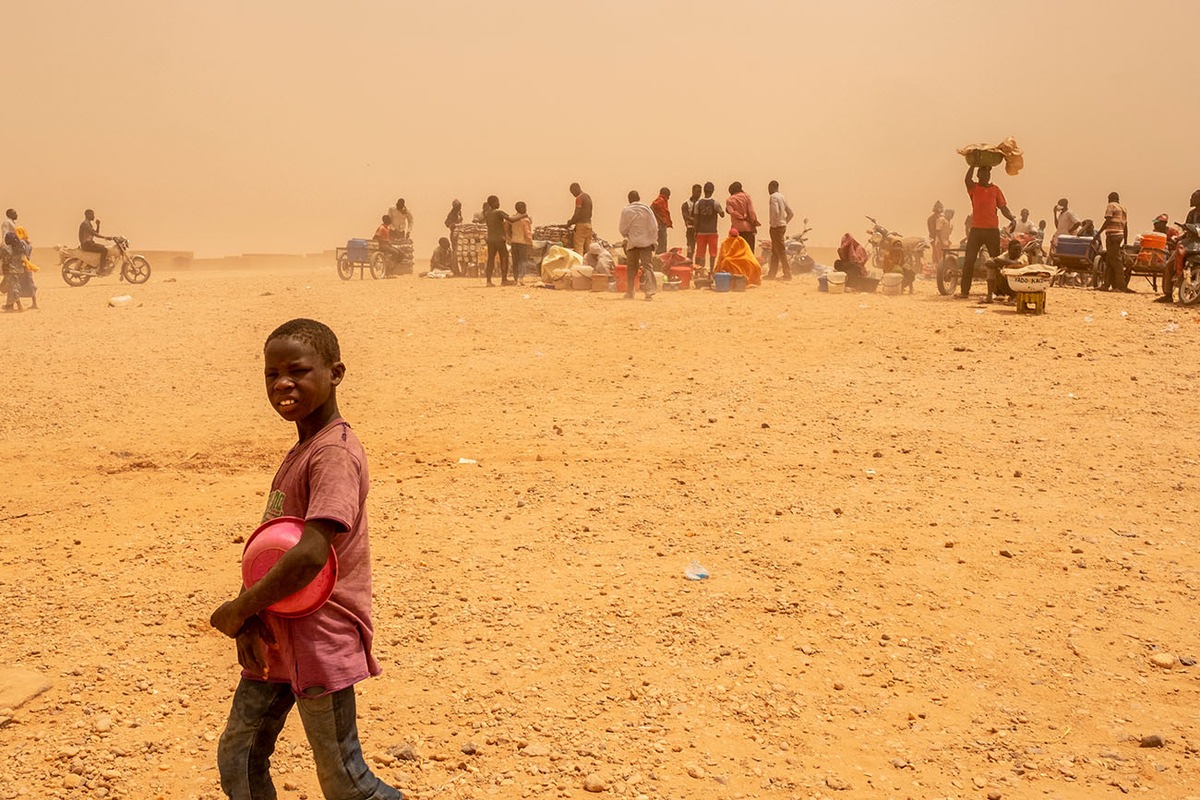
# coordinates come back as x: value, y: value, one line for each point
x: 554, y: 234
x: 472, y: 248
x: 405, y: 266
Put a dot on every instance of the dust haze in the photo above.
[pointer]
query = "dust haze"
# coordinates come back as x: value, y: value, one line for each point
x: 228, y: 127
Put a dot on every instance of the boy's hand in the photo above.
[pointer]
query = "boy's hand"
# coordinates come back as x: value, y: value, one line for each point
x: 228, y: 619
x: 253, y: 640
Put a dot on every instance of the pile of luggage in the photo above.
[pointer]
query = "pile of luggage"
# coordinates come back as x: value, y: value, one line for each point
x: 472, y: 248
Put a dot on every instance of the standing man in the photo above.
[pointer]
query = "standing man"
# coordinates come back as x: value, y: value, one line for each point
x: 780, y: 215
x: 1023, y: 225
x: 9, y: 223
x: 986, y: 200
x: 495, y: 220
x: 402, y: 220
x: 689, y: 219
x: 706, y: 212
x: 741, y: 213
x: 639, y: 228
x: 453, y: 220
x: 521, y: 239
x: 581, y: 220
x: 89, y: 232
x: 662, y: 213
x: 1115, y: 231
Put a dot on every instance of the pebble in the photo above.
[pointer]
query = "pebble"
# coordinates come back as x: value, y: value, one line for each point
x: 979, y: 782
x: 994, y: 795
x: 838, y: 686
x: 102, y: 723
x: 595, y: 783
x: 470, y: 749
x: 404, y: 752
x: 1163, y: 660
x: 1187, y: 661
x: 73, y: 781
x: 1006, y: 553
x: 837, y: 784
x: 536, y: 750
x: 694, y: 771
x: 1153, y: 740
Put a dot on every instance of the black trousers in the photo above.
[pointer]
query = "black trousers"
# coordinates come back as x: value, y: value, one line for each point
x: 691, y: 242
x: 749, y: 237
x: 96, y: 247
x: 1115, y: 274
x: 977, y: 238
x: 497, y: 249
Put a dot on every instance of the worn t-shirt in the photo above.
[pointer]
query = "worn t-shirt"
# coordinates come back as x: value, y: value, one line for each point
x: 326, y: 478
x: 985, y: 201
x: 86, y: 232
x: 705, y: 213
x: 495, y: 219
x: 1115, y: 219
x: 583, y: 209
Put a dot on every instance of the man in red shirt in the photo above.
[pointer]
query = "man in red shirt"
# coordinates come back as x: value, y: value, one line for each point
x: 986, y: 200
x: 662, y: 212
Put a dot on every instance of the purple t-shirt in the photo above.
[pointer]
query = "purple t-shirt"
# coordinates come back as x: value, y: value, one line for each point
x: 326, y: 478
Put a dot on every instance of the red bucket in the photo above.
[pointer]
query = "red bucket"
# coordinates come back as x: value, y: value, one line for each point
x: 682, y: 274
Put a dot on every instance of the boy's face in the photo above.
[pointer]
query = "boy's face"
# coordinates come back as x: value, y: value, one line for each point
x: 299, y: 382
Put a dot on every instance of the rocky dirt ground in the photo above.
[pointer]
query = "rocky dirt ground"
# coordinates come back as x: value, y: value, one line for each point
x: 950, y: 548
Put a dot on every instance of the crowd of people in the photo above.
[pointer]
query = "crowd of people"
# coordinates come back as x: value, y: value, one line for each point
x: 18, y: 270
x: 644, y: 228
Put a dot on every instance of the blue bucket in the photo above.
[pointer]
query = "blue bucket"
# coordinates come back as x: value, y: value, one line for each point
x: 721, y: 281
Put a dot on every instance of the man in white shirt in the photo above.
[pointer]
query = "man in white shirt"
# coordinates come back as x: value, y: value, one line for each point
x: 639, y: 228
x: 402, y: 220
x: 1065, y: 222
x: 781, y: 215
x: 1023, y: 224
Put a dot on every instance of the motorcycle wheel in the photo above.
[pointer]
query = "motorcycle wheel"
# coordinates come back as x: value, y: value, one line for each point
x: 948, y: 275
x: 378, y: 266
x: 136, y: 270
x: 72, y: 272
x: 804, y: 263
x: 1189, y: 285
x: 344, y: 269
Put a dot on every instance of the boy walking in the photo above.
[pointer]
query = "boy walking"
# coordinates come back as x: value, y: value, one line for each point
x: 310, y: 662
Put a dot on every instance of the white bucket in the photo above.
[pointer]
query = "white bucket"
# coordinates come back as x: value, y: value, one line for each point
x: 890, y: 283
x: 837, y: 282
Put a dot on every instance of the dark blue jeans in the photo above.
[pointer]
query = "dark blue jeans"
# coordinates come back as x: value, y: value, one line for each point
x: 330, y: 722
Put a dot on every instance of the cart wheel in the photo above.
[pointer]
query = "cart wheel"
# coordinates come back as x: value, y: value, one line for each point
x: 378, y: 266
x: 344, y: 269
x: 1098, y: 268
x: 948, y: 275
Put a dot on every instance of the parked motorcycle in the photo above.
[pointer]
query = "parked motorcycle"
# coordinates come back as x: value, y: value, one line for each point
x: 80, y: 266
x: 797, y: 251
x: 881, y: 240
x: 1187, y: 264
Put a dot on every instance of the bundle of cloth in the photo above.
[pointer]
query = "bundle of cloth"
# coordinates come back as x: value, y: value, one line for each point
x: 990, y: 155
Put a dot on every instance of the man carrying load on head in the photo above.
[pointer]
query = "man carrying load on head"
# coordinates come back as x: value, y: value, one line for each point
x: 986, y: 201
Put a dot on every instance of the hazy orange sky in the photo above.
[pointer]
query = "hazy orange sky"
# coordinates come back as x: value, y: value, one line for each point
x: 230, y: 126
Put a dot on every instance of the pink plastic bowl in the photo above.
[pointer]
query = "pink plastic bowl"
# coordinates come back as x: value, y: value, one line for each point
x: 266, y: 546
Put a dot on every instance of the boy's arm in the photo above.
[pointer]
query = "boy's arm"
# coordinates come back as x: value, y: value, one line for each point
x: 970, y: 178
x: 290, y: 574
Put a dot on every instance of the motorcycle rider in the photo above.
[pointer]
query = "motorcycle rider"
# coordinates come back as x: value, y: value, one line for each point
x: 89, y: 232
x: 1169, y: 274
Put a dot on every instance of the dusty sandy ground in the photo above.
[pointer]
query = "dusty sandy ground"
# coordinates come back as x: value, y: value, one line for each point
x: 944, y: 541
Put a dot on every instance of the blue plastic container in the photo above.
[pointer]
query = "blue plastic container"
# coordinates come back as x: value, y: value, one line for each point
x: 822, y: 284
x: 1074, y: 246
x: 356, y: 249
x: 721, y: 281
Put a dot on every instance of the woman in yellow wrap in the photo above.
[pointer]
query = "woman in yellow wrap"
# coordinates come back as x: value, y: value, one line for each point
x: 736, y: 257
x: 27, y: 287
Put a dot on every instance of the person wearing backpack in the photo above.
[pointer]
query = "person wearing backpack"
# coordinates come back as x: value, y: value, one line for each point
x: 705, y: 213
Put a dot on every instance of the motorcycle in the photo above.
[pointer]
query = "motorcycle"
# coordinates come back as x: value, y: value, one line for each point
x: 1187, y: 264
x: 80, y: 266
x: 796, y: 246
x: 881, y: 241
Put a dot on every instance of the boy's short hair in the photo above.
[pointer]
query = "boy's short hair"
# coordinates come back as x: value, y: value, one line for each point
x: 1014, y: 249
x: 315, y: 334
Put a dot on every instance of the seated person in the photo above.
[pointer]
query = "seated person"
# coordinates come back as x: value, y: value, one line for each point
x: 443, y: 258
x: 599, y: 259
x: 736, y: 257
x: 996, y: 281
